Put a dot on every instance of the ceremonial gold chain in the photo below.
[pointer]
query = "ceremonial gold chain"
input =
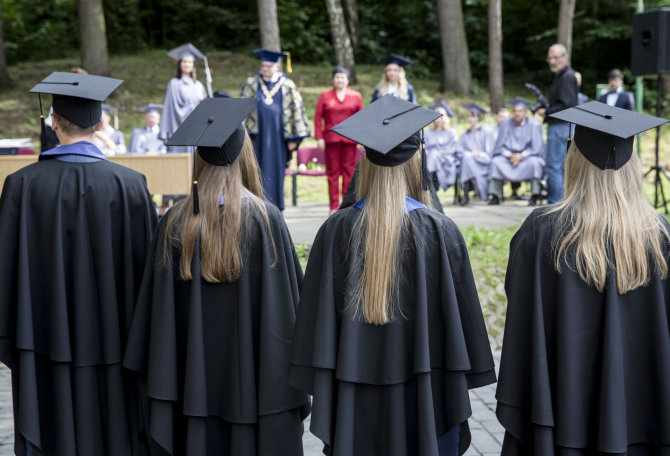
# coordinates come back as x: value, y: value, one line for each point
x: 269, y: 94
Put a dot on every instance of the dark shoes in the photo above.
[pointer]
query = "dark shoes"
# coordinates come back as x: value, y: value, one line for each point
x: 534, y: 200
x: 465, y: 199
x: 494, y: 200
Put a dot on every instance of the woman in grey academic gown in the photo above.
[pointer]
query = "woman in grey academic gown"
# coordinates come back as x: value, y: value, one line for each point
x: 184, y: 92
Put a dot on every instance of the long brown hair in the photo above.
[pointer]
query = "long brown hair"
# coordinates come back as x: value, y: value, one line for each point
x: 379, y: 231
x: 604, y: 219
x: 220, y: 229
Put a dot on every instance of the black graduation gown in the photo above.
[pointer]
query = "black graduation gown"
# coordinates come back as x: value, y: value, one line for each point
x: 73, y: 238
x: 582, y: 372
x: 391, y: 389
x: 349, y: 198
x: 214, y: 357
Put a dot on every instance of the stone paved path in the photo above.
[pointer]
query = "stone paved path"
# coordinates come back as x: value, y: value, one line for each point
x: 304, y: 220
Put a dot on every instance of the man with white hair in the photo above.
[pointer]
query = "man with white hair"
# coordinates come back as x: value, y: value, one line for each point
x: 563, y: 95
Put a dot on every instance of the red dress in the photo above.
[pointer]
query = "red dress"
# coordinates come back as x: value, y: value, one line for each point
x: 340, y: 152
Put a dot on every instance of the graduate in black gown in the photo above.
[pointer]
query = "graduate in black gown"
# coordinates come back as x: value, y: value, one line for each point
x: 390, y: 335
x: 212, y: 330
x: 585, y: 366
x: 74, y: 232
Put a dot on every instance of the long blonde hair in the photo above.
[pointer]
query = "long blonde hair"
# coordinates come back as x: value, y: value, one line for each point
x: 604, y: 222
x: 403, y: 91
x: 220, y: 229
x: 378, y: 233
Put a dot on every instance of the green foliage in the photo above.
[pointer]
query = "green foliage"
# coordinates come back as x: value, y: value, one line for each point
x: 303, y: 254
x: 39, y: 30
x: 305, y: 30
x: 489, y: 252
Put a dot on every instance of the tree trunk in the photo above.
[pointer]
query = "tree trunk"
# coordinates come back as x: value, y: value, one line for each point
x: 566, y: 16
x: 93, y: 37
x: 495, y: 55
x: 456, y: 75
x: 344, y: 53
x: 5, y: 80
x: 352, y: 23
x: 267, y: 19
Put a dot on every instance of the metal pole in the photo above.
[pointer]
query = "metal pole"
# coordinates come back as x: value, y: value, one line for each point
x: 639, y: 88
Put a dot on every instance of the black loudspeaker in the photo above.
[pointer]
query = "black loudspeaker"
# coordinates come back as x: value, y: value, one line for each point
x: 650, y: 53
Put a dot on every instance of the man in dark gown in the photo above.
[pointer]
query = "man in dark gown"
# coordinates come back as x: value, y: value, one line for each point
x: 278, y: 123
x: 74, y: 231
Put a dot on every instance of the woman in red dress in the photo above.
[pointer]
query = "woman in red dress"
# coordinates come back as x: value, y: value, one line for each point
x: 333, y: 107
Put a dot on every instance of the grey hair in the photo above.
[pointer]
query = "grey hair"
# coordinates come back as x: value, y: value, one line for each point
x: 560, y: 48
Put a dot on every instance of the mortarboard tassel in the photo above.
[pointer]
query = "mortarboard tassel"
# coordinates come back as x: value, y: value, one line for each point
x: 288, y: 63
x: 196, y: 199
x: 569, y: 140
x: 424, y: 168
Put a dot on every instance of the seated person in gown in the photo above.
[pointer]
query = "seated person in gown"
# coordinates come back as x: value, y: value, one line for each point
x: 145, y: 140
x: 475, y: 147
x: 518, y: 154
x: 442, y: 156
x: 109, y: 139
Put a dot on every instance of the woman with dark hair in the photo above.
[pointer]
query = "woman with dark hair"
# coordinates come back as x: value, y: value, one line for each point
x: 183, y: 93
x: 215, y: 313
x: 390, y: 334
x: 585, y: 366
x: 333, y: 107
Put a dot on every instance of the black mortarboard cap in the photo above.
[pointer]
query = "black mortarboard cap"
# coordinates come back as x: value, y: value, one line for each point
x: 77, y: 97
x: 388, y: 129
x: 395, y: 58
x: 519, y: 101
x: 476, y: 108
x: 186, y: 50
x: 215, y: 128
x: 443, y: 104
x: 266, y: 55
x: 151, y: 107
x: 604, y: 134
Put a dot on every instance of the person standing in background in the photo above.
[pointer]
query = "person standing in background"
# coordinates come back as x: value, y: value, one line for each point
x: 563, y: 95
x: 617, y: 96
x: 333, y: 107
x: 279, y: 122
x: 394, y: 80
x: 184, y: 92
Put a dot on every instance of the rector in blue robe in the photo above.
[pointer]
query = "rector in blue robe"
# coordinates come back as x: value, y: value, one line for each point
x: 278, y: 124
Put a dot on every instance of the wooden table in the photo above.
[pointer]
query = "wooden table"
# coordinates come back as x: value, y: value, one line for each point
x: 165, y: 173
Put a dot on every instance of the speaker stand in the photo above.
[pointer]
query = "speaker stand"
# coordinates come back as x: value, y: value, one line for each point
x: 657, y: 169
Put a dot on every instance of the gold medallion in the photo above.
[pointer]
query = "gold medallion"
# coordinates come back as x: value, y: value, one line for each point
x: 268, y: 101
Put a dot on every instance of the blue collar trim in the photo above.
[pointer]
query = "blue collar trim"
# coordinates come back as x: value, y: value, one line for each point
x: 83, y: 148
x: 410, y: 204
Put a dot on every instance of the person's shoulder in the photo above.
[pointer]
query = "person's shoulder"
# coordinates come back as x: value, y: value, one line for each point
x: 538, y: 222
x: 251, y: 79
x: 353, y: 93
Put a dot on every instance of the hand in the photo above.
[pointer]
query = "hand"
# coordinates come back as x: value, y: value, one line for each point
x: 542, y: 112
x: 321, y: 144
x: 291, y: 146
x: 476, y: 153
x: 515, y: 158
